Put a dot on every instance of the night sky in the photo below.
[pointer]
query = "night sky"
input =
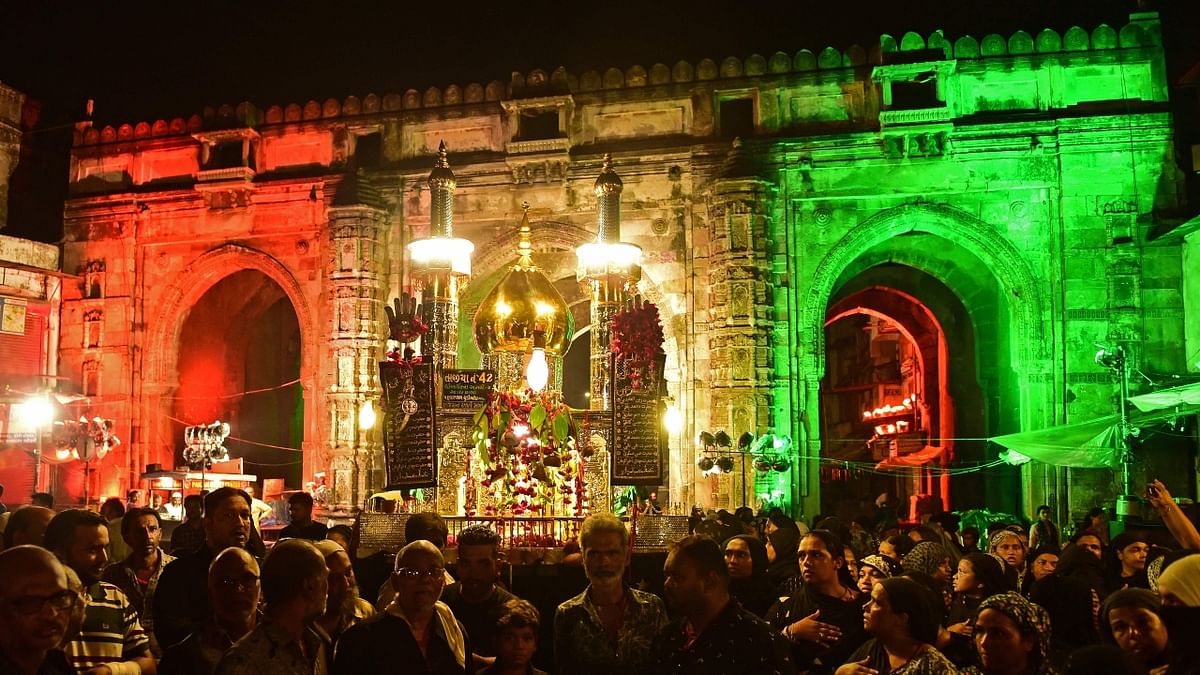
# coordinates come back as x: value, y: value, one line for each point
x: 145, y: 60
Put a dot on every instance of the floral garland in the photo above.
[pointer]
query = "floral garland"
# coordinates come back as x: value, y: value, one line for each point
x: 526, y: 440
x: 637, y: 337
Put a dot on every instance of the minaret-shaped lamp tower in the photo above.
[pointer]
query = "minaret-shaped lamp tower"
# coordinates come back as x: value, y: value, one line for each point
x: 610, y: 268
x: 441, y: 265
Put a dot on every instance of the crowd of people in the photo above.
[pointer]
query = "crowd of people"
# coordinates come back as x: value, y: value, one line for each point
x: 739, y: 595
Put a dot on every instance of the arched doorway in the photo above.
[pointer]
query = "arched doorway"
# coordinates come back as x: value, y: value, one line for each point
x: 887, y: 401
x: 982, y: 292
x: 239, y: 361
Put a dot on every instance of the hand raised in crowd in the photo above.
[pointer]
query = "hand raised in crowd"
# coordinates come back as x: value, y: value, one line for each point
x: 857, y: 668
x: 809, y: 629
x: 964, y: 628
x: 1158, y: 495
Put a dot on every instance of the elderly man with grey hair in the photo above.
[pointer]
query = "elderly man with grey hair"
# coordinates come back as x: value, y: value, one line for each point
x: 294, y: 585
x: 414, y: 628
x: 608, y: 627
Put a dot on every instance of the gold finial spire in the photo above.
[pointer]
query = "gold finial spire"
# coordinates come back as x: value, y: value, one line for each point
x: 608, y: 181
x: 441, y: 195
x: 525, y: 244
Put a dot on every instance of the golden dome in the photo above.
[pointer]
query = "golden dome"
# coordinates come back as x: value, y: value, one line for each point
x: 523, y: 303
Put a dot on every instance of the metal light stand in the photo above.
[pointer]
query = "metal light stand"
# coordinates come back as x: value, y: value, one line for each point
x: 1117, y: 360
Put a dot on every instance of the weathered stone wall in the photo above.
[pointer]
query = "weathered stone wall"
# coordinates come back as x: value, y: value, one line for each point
x: 1001, y: 168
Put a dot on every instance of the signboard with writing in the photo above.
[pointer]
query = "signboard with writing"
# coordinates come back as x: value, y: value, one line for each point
x: 638, y: 441
x: 408, y: 425
x: 466, y: 390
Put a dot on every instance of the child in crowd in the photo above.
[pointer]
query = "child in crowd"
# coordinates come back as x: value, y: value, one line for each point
x: 516, y: 640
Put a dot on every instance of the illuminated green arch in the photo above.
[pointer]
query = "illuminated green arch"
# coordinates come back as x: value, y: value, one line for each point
x: 1004, y: 262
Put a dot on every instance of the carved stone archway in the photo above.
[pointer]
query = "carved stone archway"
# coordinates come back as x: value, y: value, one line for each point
x: 166, y: 325
x: 958, y: 228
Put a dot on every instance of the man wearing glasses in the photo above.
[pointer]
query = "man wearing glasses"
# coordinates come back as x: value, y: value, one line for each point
x: 233, y: 590
x: 111, y: 639
x: 295, y: 586
x: 414, y: 628
x: 35, y: 605
x: 137, y: 575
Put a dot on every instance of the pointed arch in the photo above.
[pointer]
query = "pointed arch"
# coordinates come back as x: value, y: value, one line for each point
x: 1003, y: 261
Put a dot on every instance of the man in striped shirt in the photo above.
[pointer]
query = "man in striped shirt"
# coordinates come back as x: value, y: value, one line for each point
x: 111, y: 640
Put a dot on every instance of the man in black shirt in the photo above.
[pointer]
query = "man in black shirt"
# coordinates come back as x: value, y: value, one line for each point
x: 713, y: 635
x: 475, y: 599
x: 300, y: 506
x: 181, y: 604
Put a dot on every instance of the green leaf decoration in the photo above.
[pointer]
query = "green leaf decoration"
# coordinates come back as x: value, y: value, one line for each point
x: 537, y: 417
x: 562, y: 427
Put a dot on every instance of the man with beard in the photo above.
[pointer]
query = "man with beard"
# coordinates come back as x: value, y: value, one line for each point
x: 181, y: 601
x: 35, y: 606
x: 343, y: 607
x: 713, y: 635
x: 294, y: 586
x: 608, y: 627
x: 111, y: 638
x: 475, y: 598
x: 233, y: 590
x: 415, y: 629
x: 137, y: 575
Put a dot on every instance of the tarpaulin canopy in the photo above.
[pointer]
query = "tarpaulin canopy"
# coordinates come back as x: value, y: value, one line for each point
x: 1095, y: 444
x: 1186, y: 395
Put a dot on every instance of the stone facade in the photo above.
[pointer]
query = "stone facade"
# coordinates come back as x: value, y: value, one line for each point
x: 1019, y: 172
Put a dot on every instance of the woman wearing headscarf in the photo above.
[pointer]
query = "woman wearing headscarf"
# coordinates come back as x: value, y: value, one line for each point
x: 875, y: 568
x: 1009, y: 545
x: 929, y: 563
x: 1012, y: 637
x: 1069, y: 604
x: 1132, y: 620
x: 1127, y: 561
x: 1179, y: 588
x: 929, y: 558
x: 783, y: 564
x: 1077, y: 562
x: 1039, y: 564
x: 746, y: 559
x: 903, y: 626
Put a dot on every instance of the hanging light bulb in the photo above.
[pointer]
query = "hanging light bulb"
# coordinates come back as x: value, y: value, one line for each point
x: 538, y: 371
x: 366, y: 416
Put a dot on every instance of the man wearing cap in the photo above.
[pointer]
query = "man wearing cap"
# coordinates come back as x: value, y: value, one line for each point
x: 173, y: 510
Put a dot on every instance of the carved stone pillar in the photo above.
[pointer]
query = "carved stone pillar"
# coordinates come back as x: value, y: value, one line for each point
x: 741, y: 320
x: 355, y: 277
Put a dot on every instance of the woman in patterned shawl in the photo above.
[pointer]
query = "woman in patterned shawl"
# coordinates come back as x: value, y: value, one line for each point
x: 875, y: 568
x: 1012, y: 635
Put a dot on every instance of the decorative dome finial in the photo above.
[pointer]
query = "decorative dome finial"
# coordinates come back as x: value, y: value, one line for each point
x: 525, y: 243
x: 608, y: 182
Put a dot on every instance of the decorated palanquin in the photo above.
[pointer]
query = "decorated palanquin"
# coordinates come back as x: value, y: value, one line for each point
x: 499, y: 445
